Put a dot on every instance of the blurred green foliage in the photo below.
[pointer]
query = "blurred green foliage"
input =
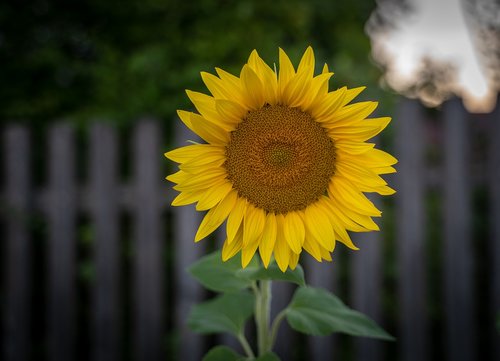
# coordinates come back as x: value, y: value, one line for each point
x: 122, y: 59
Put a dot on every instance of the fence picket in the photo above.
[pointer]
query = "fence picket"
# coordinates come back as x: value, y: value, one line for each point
x: 494, y: 185
x: 188, y: 291
x: 323, y: 275
x: 16, y: 344
x: 457, y: 253
x: 62, y: 244
x: 410, y: 237
x: 366, y: 291
x: 148, y: 267
x: 104, y: 210
x: 281, y: 297
x: 225, y: 338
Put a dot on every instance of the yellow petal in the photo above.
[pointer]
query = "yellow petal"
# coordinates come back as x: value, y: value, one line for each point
x: 294, y: 259
x: 378, y: 157
x: 343, y: 219
x: 248, y: 252
x: 235, y: 218
x: 201, y: 181
x: 357, y: 173
x: 377, y: 161
x: 203, y: 163
x: 215, y: 86
x: 253, y: 87
x: 184, y: 154
x: 231, y: 111
x: 228, y: 78
x: 208, y: 131
x: 352, y: 93
x: 328, y: 105
x: 266, y: 75
x: 295, y: 92
x: 306, y: 64
x: 214, y: 195
x: 342, y: 235
x: 353, y: 112
x: 205, y: 105
x: 384, y: 190
x: 344, y: 191
x: 294, y: 231
x: 185, y: 198
x: 352, y: 147
x: 312, y: 247
x: 286, y: 72
x: 234, y: 87
x: 214, y: 218
x: 360, y: 219
x: 281, y: 249
x: 384, y: 170
x: 326, y: 255
x: 254, y: 222
x: 318, y: 89
x: 338, y: 226
x: 229, y: 249
x: 360, y: 131
x: 268, y: 240
x: 319, y: 227
x: 177, y: 177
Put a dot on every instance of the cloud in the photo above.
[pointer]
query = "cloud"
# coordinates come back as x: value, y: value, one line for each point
x: 430, y: 50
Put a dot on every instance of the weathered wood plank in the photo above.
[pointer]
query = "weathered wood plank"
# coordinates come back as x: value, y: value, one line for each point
x: 62, y: 244
x: 225, y: 338
x: 104, y: 209
x: 148, y: 237
x: 188, y: 291
x: 410, y: 232
x: 322, y: 275
x: 366, y: 289
x: 494, y: 189
x: 285, y: 341
x: 458, y: 253
x: 17, y: 261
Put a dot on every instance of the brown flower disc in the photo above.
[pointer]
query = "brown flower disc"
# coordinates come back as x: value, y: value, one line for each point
x: 280, y: 159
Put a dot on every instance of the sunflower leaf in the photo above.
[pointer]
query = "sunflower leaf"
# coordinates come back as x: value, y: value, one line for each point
x: 256, y: 272
x: 224, y: 313
x: 222, y: 353
x: 317, y: 312
x: 217, y: 275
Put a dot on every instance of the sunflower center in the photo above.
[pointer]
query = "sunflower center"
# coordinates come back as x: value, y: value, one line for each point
x: 280, y: 159
x: 279, y: 154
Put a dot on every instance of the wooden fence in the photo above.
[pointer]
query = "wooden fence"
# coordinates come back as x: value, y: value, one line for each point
x: 431, y: 277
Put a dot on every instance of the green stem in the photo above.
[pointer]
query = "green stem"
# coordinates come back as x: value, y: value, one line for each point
x: 262, y: 315
x: 246, y: 346
x: 275, y: 327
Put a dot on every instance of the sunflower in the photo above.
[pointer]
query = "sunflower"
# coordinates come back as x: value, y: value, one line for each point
x: 285, y: 162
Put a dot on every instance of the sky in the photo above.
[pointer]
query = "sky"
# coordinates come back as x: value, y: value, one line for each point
x: 435, y: 32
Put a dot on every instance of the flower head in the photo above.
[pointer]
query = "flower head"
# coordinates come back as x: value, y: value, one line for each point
x: 285, y: 161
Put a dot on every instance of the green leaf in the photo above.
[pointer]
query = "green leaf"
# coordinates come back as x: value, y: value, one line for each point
x: 317, y: 312
x: 225, y: 313
x: 219, y: 276
x: 255, y: 272
x: 222, y: 353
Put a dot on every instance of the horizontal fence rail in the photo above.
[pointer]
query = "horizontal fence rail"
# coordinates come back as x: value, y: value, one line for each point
x: 135, y: 302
